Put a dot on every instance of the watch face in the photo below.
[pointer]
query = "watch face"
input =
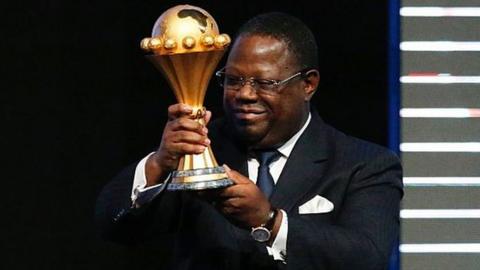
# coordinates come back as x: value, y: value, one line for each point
x: 260, y: 234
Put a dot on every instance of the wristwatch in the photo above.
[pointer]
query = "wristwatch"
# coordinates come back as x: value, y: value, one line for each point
x: 263, y: 232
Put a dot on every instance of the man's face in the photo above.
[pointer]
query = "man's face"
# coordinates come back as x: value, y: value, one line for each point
x: 264, y: 120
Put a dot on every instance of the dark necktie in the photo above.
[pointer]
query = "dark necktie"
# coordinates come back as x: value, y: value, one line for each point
x: 264, y: 178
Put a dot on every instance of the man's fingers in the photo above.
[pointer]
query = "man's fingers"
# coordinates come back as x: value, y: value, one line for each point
x: 232, y: 192
x: 188, y: 124
x: 232, y: 202
x: 208, y: 116
x: 189, y: 137
x: 187, y: 148
x: 235, y: 176
x: 178, y: 110
x: 228, y: 210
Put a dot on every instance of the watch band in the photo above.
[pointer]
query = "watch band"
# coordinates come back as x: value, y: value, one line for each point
x: 271, y: 219
x: 263, y: 232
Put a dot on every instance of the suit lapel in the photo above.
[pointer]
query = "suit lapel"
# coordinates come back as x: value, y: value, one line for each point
x: 304, y: 166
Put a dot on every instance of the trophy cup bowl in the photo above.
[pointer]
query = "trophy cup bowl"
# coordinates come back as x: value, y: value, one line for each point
x: 186, y: 47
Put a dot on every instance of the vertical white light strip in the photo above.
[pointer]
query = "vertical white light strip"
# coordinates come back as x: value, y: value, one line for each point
x: 440, y: 112
x: 443, y: 46
x: 440, y: 12
x: 441, y: 181
x: 440, y: 248
x: 441, y: 147
x: 439, y: 213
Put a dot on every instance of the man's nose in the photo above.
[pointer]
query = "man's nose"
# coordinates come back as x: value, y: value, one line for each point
x: 247, y: 90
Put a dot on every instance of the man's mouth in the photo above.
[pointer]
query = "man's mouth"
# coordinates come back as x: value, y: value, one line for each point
x: 249, y: 114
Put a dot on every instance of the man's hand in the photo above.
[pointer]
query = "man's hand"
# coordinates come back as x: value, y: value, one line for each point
x: 182, y: 135
x: 243, y: 202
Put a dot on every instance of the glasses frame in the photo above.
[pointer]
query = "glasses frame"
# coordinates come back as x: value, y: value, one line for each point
x: 276, y: 84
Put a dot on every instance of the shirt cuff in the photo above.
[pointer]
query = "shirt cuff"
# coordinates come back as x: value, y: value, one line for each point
x: 279, y: 247
x: 141, y: 194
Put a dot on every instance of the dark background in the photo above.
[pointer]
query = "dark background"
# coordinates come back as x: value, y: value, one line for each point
x: 80, y: 101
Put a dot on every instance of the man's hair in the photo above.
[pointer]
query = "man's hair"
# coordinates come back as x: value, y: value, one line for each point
x: 281, y: 26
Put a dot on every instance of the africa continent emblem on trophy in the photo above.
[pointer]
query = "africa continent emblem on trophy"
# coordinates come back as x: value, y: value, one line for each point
x: 186, y: 47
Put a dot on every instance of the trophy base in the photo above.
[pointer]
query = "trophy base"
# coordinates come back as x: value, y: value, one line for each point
x: 199, y: 179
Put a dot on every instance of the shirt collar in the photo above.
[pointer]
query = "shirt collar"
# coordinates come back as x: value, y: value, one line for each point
x: 287, y: 147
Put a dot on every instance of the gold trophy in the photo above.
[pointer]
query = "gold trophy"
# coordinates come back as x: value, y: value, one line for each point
x: 186, y: 47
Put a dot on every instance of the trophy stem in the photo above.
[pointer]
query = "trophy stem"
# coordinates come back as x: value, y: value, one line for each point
x: 201, y: 171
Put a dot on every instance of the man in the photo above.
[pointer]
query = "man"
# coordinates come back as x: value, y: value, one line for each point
x: 332, y: 202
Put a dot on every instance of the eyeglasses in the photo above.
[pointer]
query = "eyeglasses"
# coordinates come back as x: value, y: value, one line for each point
x: 266, y: 86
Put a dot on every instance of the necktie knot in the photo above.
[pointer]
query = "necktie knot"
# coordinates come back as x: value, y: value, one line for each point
x: 267, y: 157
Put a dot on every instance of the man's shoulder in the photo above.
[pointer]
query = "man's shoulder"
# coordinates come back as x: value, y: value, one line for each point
x: 356, y: 149
x: 363, y: 158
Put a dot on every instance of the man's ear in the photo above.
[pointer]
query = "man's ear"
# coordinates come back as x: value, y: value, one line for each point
x: 311, y: 79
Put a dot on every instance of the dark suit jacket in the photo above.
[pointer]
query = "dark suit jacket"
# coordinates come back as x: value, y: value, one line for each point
x: 361, y: 179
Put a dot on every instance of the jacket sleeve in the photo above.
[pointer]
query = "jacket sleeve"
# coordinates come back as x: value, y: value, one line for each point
x: 361, y: 235
x: 118, y: 220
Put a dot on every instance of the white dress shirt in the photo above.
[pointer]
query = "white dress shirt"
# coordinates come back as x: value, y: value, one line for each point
x: 141, y: 195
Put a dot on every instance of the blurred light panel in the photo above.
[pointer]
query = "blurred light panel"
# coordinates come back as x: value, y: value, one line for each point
x: 440, y: 46
x: 441, y: 181
x: 439, y: 213
x: 440, y: 12
x: 440, y: 112
x: 440, y: 248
